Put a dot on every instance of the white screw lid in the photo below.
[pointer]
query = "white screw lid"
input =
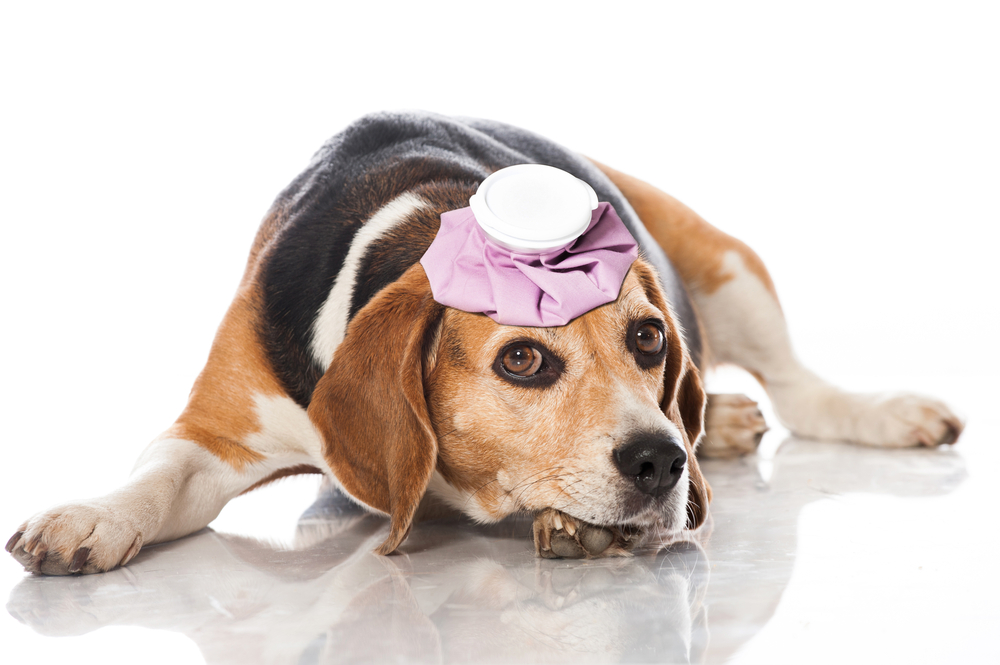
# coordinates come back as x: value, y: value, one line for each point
x: 532, y: 207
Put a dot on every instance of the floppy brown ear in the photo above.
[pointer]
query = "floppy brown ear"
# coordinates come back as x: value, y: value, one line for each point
x: 683, y: 396
x: 689, y: 404
x: 370, y: 406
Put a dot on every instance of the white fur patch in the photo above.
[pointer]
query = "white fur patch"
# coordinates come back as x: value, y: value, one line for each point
x: 330, y: 325
x: 285, y: 432
x: 287, y: 437
x: 458, y: 499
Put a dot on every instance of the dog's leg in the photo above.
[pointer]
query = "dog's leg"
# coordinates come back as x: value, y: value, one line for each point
x: 743, y: 324
x: 238, y: 431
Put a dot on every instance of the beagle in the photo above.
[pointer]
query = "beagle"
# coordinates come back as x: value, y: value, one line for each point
x: 335, y: 358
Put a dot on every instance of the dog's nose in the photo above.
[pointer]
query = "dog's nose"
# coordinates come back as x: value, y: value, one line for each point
x: 654, y: 460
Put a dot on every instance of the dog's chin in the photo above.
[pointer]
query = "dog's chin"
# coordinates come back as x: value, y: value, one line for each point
x: 661, y: 522
x: 666, y: 514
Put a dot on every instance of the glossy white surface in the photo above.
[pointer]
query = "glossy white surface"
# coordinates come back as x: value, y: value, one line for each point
x: 817, y: 552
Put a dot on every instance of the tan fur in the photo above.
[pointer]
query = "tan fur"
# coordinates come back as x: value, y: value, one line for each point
x: 525, y: 435
x: 695, y: 247
x: 370, y: 406
x: 519, y: 448
x: 220, y: 412
x: 412, y: 390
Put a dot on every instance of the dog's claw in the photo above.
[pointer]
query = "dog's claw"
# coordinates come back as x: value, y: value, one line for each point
x: 953, y: 429
x: 12, y: 543
x: 132, y: 550
x: 32, y: 547
x: 79, y: 560
x: 75, y: 539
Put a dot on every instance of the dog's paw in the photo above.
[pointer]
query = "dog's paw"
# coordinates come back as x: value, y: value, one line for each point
x: 557, y: 535
x: 903, y: 420
x: 75, y: 538
x: 733, y: 426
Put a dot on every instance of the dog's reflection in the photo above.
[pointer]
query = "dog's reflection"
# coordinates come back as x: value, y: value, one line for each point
x: 466, y: 593
x: 755, y: 523
x: 480, y: 595
x: 647, y: 609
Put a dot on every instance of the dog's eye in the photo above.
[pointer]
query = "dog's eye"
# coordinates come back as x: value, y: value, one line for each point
x: 527, y: 363
x: 648, y: 339
x: 522, y: 360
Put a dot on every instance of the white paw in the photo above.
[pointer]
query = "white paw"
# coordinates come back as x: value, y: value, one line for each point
x: 734, y: 425
x: 903, y: 420
x: 75, y: 538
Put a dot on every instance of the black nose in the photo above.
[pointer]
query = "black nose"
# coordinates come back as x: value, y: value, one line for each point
x: 654, y: 460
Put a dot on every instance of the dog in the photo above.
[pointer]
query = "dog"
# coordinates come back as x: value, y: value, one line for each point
x: 335, y: 358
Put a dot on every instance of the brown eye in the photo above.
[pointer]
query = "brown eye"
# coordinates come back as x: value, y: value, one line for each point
x: 648, y: 339
x: 522, y: 360
x: 527, y: 363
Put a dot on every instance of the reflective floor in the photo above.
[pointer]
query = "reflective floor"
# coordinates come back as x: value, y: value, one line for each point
x: 816, y: 552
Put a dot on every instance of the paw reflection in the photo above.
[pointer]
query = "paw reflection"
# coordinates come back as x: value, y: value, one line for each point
x: 482, y: 595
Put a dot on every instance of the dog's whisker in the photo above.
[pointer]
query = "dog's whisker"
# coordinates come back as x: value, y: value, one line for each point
x: 509, y: 493
x: 480, y: 489
x: 525, y: 486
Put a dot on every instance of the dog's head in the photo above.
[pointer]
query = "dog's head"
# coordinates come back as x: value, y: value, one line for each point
x: 598, y: 418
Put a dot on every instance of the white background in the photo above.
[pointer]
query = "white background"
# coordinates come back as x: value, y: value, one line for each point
x: 855, y: 146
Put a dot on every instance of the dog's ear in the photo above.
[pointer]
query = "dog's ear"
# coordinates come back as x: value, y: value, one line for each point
x: 687, y: 409
x: 370, y: 406
x: 683, y: 396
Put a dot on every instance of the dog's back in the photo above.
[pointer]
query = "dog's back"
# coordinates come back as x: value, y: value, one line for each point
x: 326, y: 227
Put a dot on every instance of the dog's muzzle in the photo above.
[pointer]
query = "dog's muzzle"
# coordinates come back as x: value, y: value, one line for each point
x: 654, y: 461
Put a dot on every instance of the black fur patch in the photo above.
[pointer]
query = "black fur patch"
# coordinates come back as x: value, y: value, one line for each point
x: 358, y: 171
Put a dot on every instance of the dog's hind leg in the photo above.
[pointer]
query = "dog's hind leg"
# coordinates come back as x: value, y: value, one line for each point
x: 743, y: 324
x: 238, y: 431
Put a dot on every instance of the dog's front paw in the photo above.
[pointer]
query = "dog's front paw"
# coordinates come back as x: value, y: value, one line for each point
x: 75, y: 538
x: 558, y: 535
x: 907, y: 420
